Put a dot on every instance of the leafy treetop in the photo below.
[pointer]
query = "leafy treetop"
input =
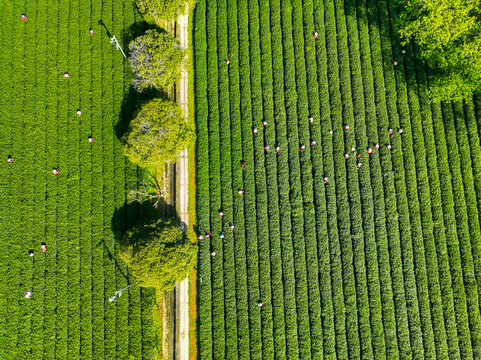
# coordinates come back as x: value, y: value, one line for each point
x: 448, y: 34
x: 155, y: 58
x: 164, y: 9
x: 158, y: 254
x: 158, y: 133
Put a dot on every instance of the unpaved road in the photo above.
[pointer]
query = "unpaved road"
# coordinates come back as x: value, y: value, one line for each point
x: 182, y: 192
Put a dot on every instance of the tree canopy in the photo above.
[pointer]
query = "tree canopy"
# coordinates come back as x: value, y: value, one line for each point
x: 158, y: 133
x: 156, y: 59
x: 448, y: 35
x: 158, y: 254
x: 164, y: 9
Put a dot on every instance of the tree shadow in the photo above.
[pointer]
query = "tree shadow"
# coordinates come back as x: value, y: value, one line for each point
x: 382, y: 16
x: 127, y: 112
x: 109, y: 34
x: 131, y: 104
x: 368, y: 10
x: 133, y: 213
x: 113, y: 258
x: 122, y: 219
x: 134, y: 30
x: 130, y: 214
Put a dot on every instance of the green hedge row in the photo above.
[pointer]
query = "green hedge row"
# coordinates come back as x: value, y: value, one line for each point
x: 261, y: 166
x: 242, y: 298
x: 226, y: 186
x: 364, y: 112
x: 439, y: 253
x: 204, y: 289
x: 274, y: 236
x: 416, y: 286
x: 294, y: 112
x: 286, y: 239
x: 331, y: 289
x: 310, y: 166
x: 425, y: 247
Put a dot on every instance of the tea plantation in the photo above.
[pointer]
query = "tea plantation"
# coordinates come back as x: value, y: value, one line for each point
x: 357, y: 234
x: 76, y: 212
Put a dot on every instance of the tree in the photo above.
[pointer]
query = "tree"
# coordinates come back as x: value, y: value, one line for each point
x: 148, y: 190
x: 448, y: 35
x: 156, y: 58
x: 158, y: 134
x: 164, y: 9
x: 158, y: 254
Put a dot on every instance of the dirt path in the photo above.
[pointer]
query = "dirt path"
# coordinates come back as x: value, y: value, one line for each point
x: 182, y: 200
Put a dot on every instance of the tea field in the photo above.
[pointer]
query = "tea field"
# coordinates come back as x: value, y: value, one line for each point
x: 382, y: 261
x: 75, y: 212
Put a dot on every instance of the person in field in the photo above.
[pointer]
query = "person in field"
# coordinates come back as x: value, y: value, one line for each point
x: 10, y: 159
x: 91, y: 31
x: 260, y: 304
x: 55, y: 171
x: 302, y: 147
x: 346, y: 127
x: 66, y: 75
x: 316, y: 35
x: 221, y: 235
x: 326, y: 180
x: 207, y: 235
x: 200, y: 237
x: 389, y: 147
x: 359, y: 165
x: 400, y: 131
x: 311, y: 120
x: 27, y: 294
x: 31, y: 253
x: 241, y: 192
x: 394, y: 62
x: 389, y: 131
x: 43, y: 247
x: 277, y: 149
x: 255, y: 131
x: 313, y: 143
x: 267, y: 147
x: 369, y: 151
x: 232, y: 227
x: 79, y: 113
x: 377, y: 146
x: 264, y: 123
x: 24, y: 17
x: 91, y: 139
x: 243, y: 164
x: 226, y: 61
x: 358, y: 156
x: 213, y: 253
x: 330, y: 132
x: 346, y: 156
x: 221, y: 214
